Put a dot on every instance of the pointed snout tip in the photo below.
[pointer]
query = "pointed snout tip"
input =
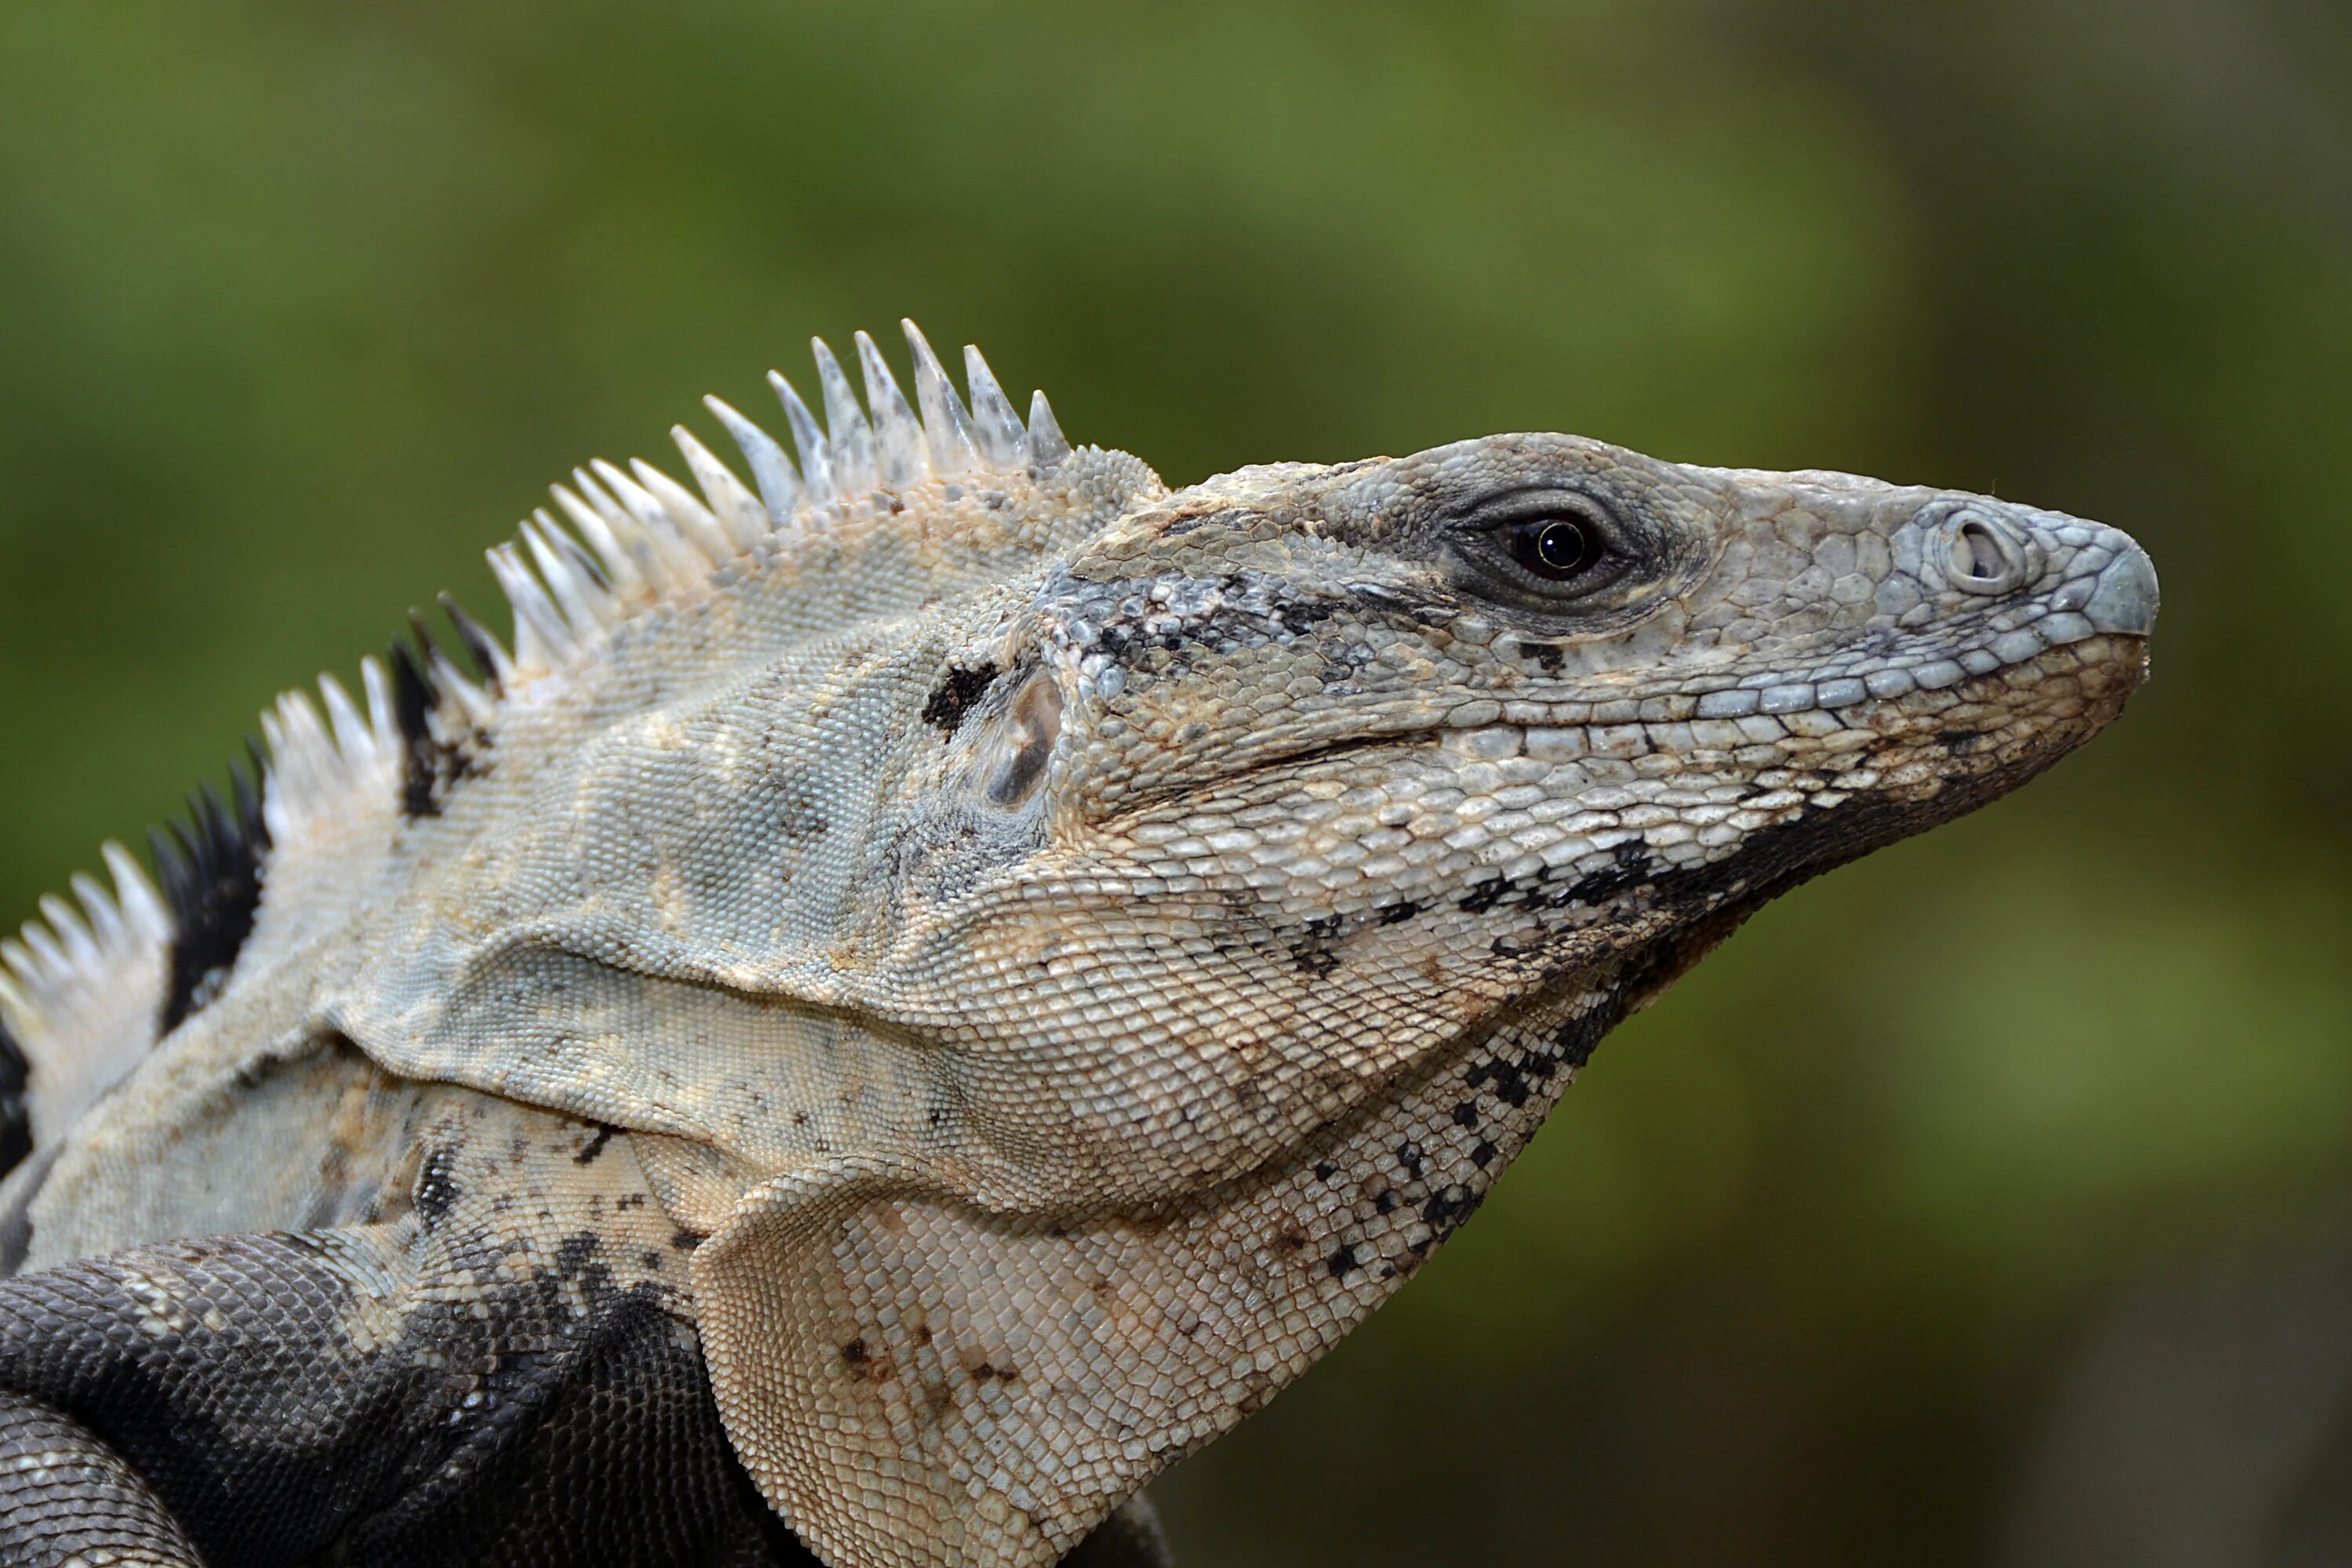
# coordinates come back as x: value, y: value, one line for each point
x: 2123, y: 601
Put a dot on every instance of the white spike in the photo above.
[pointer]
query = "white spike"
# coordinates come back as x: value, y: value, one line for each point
x: 629, y: 560
x: 687, y: 562
x: 816, y: 458
x: 542, y: 640
x: 848, y: 437
x: 747, y: 520
x: 584, y: 600
x: 946, y: 428
x: 607, y: 507
x: 98, y: 908
x: 142, y: 907
x: 80, y: 950
x: 898, y: 454
x: 452, y: 686
x: 996, y: 425
x: 22, y: 964
x: 661, y: 556
x: 684, y: 508
x: 350, y: 732
x: 384, y: 724
x: 1047, y: 445
x: 49, y: 963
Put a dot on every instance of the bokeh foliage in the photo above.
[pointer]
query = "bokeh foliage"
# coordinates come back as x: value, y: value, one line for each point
x: 302, y: 304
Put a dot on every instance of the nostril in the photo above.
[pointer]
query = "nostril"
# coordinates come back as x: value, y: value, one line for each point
x: 1975, y: 553
x: 1982, y: 557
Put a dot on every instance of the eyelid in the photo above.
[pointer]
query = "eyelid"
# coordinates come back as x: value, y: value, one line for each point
x: 1521, y: 506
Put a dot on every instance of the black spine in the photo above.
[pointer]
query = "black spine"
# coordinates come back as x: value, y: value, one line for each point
x: 16, y: 1122
x: 479, y: 647
x: 210, y: 871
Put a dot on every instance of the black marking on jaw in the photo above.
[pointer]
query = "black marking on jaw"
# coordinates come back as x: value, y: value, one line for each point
x: 1631, y: 865
x: 1316, y: 949
x: 956, y: 694
x: 211, y: 872
x: 16, y: 1123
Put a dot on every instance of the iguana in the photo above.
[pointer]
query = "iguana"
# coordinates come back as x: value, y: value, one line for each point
x: 918, y: 989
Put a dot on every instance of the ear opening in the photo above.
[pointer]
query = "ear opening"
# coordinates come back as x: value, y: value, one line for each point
x: 1023, y: 748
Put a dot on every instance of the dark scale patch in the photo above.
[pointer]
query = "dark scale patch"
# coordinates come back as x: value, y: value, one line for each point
x: 956, y: 694
x: 1484, y: 896
x: 1508, y: 1079
x: 1445, y: 1212
x: 595, y: 1145
x: 1960, y: 742
x: 1546, y: 654
x: 1343, y: 1262
x: 437, y: 1190
x: 1465, y: 1114
x: 1631, y: 868
x: 16, y: 1122
x: 1396, y: 913
x: 1314, y: 951
x: 211, y: 872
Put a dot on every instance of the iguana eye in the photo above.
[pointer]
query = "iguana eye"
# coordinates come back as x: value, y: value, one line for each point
x: 1554, y: 548
x: 1550, y: 549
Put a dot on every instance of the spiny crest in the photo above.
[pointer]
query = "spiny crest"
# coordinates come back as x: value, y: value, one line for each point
x: 83, y: 990
x: 629, y: 537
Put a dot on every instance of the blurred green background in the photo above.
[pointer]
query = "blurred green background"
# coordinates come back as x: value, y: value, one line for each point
x: 1989, y: 1202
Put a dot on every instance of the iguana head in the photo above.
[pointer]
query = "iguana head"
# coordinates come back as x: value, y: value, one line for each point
x: 1072, y: 949
x: 1263, y: 864
x: 1294, y: 778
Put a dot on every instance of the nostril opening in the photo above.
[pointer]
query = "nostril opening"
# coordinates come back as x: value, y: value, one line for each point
x: 1977, y: 554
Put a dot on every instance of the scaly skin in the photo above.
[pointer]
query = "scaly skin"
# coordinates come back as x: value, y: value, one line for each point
x: 998, y: 963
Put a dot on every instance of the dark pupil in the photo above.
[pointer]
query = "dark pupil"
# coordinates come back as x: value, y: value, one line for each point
x: 1552, y: 547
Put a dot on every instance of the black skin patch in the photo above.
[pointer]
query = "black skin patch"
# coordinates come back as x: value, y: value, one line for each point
x: 16, y: 1123
x: 211, y: 872
x: 1545, y: 654
x: 956, y: 694
x: 1343, y: 1262
x: 594, y: 1146
x: 272, y: 1437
